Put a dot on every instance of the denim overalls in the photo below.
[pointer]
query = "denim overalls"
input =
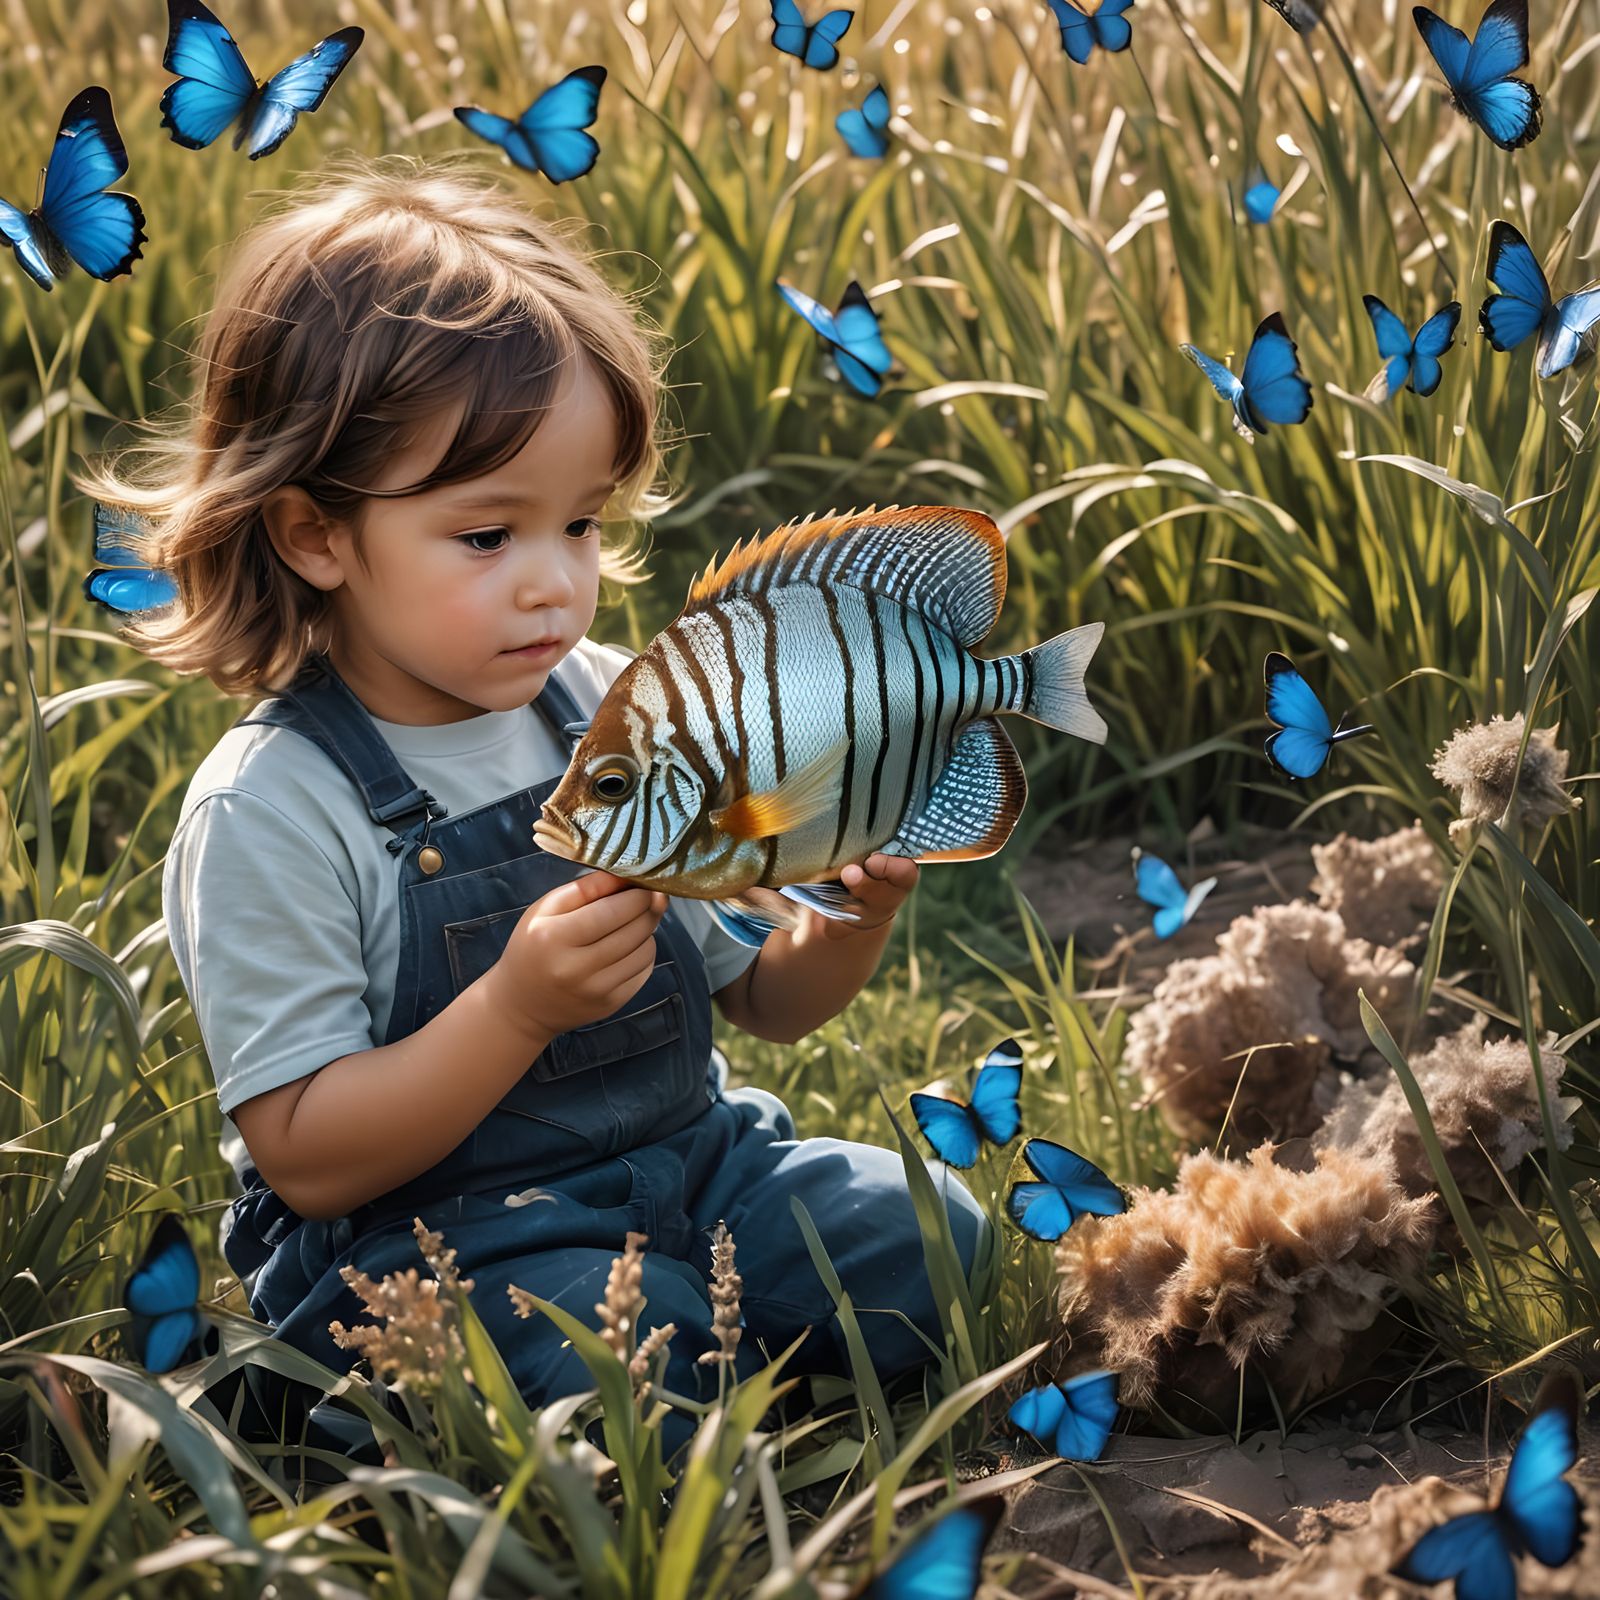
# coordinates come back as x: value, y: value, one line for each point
x: 623, y: 1123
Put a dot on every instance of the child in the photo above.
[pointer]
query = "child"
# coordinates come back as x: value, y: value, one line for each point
x: 415, y: 402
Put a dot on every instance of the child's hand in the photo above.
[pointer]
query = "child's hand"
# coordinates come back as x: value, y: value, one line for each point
x: 881, y: 884
x: 578, y: 953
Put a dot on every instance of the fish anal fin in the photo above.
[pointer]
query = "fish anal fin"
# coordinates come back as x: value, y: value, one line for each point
x: 974, y: 803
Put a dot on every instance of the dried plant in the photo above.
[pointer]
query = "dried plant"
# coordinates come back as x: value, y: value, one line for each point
x: 1480, y: 763
x: 1384, y: 890
x: 1481, y: 1099
x: 726, y: 1285
x: 1241, y: 1262
x: 1284, y: 977
x: 416, y: 1338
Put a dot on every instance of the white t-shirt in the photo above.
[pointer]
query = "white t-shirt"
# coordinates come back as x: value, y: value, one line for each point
x: 282, y: 903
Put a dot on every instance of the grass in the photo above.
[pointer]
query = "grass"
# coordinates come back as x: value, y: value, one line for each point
x: 1039, y: 242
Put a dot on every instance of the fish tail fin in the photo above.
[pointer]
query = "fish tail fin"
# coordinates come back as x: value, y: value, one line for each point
x: 1052, y: 690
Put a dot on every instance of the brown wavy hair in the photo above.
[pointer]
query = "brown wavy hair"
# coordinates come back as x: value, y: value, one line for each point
x: 345, y: 321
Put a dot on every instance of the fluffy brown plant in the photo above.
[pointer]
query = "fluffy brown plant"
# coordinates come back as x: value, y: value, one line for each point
x: 1480, y: 763
x: 1384, y: 890
x: 1284, y: 977
x: 1482, y: 1101
x: 1240, y: 1262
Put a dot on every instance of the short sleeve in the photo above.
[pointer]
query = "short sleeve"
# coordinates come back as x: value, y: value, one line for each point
x: 267, y: 939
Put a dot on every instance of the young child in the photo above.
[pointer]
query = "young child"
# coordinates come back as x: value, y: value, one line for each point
x: 415, y: 403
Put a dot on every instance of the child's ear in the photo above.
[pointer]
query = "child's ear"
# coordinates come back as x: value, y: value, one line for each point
x: 306, y: 538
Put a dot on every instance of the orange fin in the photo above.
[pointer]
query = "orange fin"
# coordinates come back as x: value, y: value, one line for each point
x: 808, y: 792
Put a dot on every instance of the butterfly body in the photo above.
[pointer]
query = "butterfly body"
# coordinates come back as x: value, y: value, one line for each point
x: 813, y: 44
x: 1083, y: 32
x: 1479, y: 71
x: 215, y: 88
x: 163, y: 1295
x: 956, y: 1129
x: 548, y: 137
x: 853, y: 335
x: 1074, y: 1418
x: 1069, y: 1186
x: 77, y: 218
x: 1300, y: 747
x: 1538, y: 1512
x: 866, y: 131
x: 1271, y: 387
x: 1158, y: 886
x: 1526, y: 306
x: 1410, y: 362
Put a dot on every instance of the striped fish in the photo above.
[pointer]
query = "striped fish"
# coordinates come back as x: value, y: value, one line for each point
x: 816, y: 700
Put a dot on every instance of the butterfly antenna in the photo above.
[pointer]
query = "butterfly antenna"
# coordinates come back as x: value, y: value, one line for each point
x: 1372, y: 117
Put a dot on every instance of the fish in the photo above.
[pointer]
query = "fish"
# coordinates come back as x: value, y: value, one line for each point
x: 817, y: 700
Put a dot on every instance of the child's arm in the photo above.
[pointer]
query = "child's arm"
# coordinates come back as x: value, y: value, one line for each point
x: 801, y: 979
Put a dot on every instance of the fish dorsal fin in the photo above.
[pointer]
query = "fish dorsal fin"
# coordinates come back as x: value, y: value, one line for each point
x: 947, y: 563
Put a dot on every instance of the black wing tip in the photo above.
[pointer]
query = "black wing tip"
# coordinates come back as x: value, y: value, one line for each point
x: 595, y: 75
x: 1276, y: 662
x: 1273, y: 323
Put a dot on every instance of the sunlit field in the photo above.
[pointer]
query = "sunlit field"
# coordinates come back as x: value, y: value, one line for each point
x: 1039, y: 241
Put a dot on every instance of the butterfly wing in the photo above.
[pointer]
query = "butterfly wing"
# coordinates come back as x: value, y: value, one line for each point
x: 1434, y: 337
x: 949, y: 1127
x: 1156, y: 882
x: 165, y: 1288
x: 1275, y: 390
x: 1300, y: 747
x: 1261, y: 200
x: 1222, y: 380
x: 1541, y: 1505
x: 1472, y: 1550
x: 1077, y: 32
x: 1112, y: 30
x: 821, y: 52
x: 942, y: 1562
x: 17, y: 230
x: 1508, y: 111
x: 301, y: 86
x: 1565, y: 333
x: 814, y: 312
x: 553, y: 125
x: 1301, y: 15
x: 1089, y: 1415
x: 102, y: 232
x: 1511, y: 316
x: 1393, y: 340
x: 1070, y: 1185
x: 1169, y: 919
x: 790, y: 32
x: 862, y: 355
x: 994, y: 1095
x: 1039, y: 1412
x: 214, y: 84
x: 1448, y: 46
x: 865, y: 130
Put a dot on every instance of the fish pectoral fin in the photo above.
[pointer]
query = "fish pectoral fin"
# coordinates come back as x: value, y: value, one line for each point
x: 808, y: 792
x: 974, y: 803
x: 750, y: 917
x: 832, y: 900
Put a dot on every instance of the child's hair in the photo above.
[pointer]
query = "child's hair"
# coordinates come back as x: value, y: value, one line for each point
x: 344, y: 321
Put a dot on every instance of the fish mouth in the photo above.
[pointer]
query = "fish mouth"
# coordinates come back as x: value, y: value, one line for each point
x: 554, y: 834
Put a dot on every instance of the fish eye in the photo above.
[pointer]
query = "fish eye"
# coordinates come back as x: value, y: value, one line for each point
x: 613, y: 783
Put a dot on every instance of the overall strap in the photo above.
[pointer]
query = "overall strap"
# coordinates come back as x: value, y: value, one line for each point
x: 320, y: 705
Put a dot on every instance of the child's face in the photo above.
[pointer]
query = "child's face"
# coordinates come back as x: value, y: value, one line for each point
x: 427, y: 633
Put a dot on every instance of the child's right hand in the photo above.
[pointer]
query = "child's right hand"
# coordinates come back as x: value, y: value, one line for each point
x: 578, y: 953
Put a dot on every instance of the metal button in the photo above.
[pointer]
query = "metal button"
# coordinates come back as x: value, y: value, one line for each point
x: 430, y: 858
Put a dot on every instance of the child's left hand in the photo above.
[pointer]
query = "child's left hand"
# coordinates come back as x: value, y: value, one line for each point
x: 881, y: 884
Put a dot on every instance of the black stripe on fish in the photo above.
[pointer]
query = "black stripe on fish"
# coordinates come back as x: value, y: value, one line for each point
x: 917, y: 721
x: 696, y: 671
x: 880, y: 655
x: 770, y: 662
x: 830, y: 598
x: 1027, y: 679
x: 612, y: 818
x: 642, y: 812
x: 935, y: 754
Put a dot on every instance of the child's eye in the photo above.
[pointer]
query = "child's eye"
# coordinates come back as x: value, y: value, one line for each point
x: 483, y: 533
x: 585, y: 527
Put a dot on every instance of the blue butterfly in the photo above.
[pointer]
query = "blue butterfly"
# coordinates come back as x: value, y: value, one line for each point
x: 956, y: 1129
x: 942, y: 1562
x: 122, y: 581
x: 1538, y: 1512
x: 1075, y: 1417
x: 163, y: 1295
x: 1408, y: 361
x: 1081, y: 31
x: 1271, y: 388
x: 78, y: 220
x: 1479, y: 70
x: 866, y: 131
x: 852, y: 333
x: 1305, y: 736
x: 215, y: 87
x: 812, y: 42
x: 1261, y: 200
x: 1301, y: 15
x: 1158, y: 886
x: 1069, y: 1186
x: 1526, y: 306
x: 548, y: 136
